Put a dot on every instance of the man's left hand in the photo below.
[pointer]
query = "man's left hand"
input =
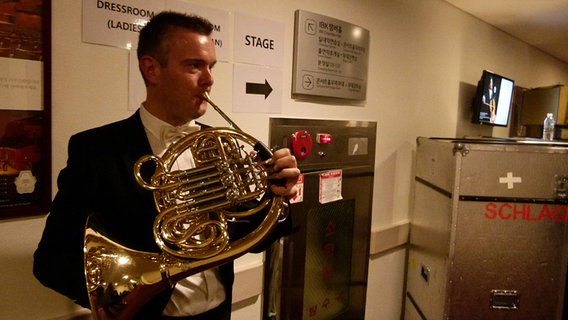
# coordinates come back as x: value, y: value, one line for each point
x: 285, y: 168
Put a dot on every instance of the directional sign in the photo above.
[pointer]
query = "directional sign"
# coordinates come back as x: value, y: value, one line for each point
x: 257, y: 89
x: 330, y: 57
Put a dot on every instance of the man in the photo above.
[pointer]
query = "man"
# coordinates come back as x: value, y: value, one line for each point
x: 489, y: 100
x: 176, y: 57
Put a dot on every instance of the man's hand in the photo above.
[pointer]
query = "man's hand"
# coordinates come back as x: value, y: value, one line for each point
x: 285, y: 168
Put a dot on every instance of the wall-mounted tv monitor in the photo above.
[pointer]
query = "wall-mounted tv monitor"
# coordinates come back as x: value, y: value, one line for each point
x: 493, y: 99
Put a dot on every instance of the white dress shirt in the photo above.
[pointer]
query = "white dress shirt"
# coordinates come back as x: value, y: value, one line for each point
x: 202, y: 291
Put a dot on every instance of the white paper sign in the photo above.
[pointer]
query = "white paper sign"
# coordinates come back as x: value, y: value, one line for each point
x: 258, y: 41
x: 117, y: 23
x: 21, y: 84
x: 257, y: 89
x: 221, y: 20
x: 221, y: 35
x: 299, y: 197
x: 330, y: 186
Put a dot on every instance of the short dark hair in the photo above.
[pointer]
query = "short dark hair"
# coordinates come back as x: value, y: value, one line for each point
x: 150, y: 41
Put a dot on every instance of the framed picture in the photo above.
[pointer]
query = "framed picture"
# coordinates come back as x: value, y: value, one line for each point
x: 25, y: 107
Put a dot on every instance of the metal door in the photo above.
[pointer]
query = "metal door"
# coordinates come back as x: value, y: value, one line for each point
x: 320, y: 271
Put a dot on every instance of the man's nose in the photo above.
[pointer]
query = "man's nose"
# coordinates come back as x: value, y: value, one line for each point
x: 207, y: 77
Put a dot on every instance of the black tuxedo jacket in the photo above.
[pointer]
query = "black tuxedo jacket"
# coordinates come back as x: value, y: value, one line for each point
x: 99, y: 179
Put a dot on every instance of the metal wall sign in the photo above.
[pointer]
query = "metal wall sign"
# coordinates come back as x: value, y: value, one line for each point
x: 331, y: 57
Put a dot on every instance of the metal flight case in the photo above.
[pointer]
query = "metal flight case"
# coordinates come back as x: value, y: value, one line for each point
x: 488, y: 235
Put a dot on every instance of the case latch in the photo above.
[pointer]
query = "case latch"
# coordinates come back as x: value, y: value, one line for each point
x: 504, y: 299
x: 461, y: 148
x: 561, y: 187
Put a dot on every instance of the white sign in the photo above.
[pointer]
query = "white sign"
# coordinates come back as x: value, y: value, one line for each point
x: 118, y: 22
x: 258, y: 41
x: 330, y: 186
x: 257, y: 89
x: 222, y: 38
x: 221, y: 20
x: 21, y: 84
x: 299, y: 196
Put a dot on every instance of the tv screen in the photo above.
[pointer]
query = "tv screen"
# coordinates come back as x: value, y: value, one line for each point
x: 493, y: 99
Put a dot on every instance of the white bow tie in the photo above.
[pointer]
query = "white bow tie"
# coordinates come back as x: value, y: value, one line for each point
x: 172, y: 134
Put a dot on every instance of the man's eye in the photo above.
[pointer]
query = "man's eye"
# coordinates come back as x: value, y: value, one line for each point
x: 192, y: 66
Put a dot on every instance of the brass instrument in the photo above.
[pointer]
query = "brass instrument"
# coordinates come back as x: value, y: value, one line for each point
x: 191, y: 229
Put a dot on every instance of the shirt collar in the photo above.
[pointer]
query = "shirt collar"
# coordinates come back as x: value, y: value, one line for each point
x: 154, y: 125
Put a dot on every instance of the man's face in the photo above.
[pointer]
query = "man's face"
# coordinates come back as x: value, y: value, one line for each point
x: 186, y: 75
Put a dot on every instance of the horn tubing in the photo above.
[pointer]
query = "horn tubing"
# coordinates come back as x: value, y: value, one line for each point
x: 205, y: 97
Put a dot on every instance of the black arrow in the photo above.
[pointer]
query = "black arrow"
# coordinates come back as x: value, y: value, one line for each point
x: 310, y: 27
x: 259, y: 88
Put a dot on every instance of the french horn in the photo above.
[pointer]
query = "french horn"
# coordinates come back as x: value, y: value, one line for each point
x: 191, y: 228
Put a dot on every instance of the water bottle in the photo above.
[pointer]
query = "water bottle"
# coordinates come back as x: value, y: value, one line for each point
x: 548, y: 130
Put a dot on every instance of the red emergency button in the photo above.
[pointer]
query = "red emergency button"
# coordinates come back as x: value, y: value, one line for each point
x: 301, y: 144
x: 324, y: 138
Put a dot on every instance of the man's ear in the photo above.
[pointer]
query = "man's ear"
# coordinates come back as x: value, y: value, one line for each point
x: 150, y: 68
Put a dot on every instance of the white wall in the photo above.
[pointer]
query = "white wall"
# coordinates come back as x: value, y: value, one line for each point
x: 425, y: 60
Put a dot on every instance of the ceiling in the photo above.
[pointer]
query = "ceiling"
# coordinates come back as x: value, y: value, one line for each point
x: 540, y: 23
